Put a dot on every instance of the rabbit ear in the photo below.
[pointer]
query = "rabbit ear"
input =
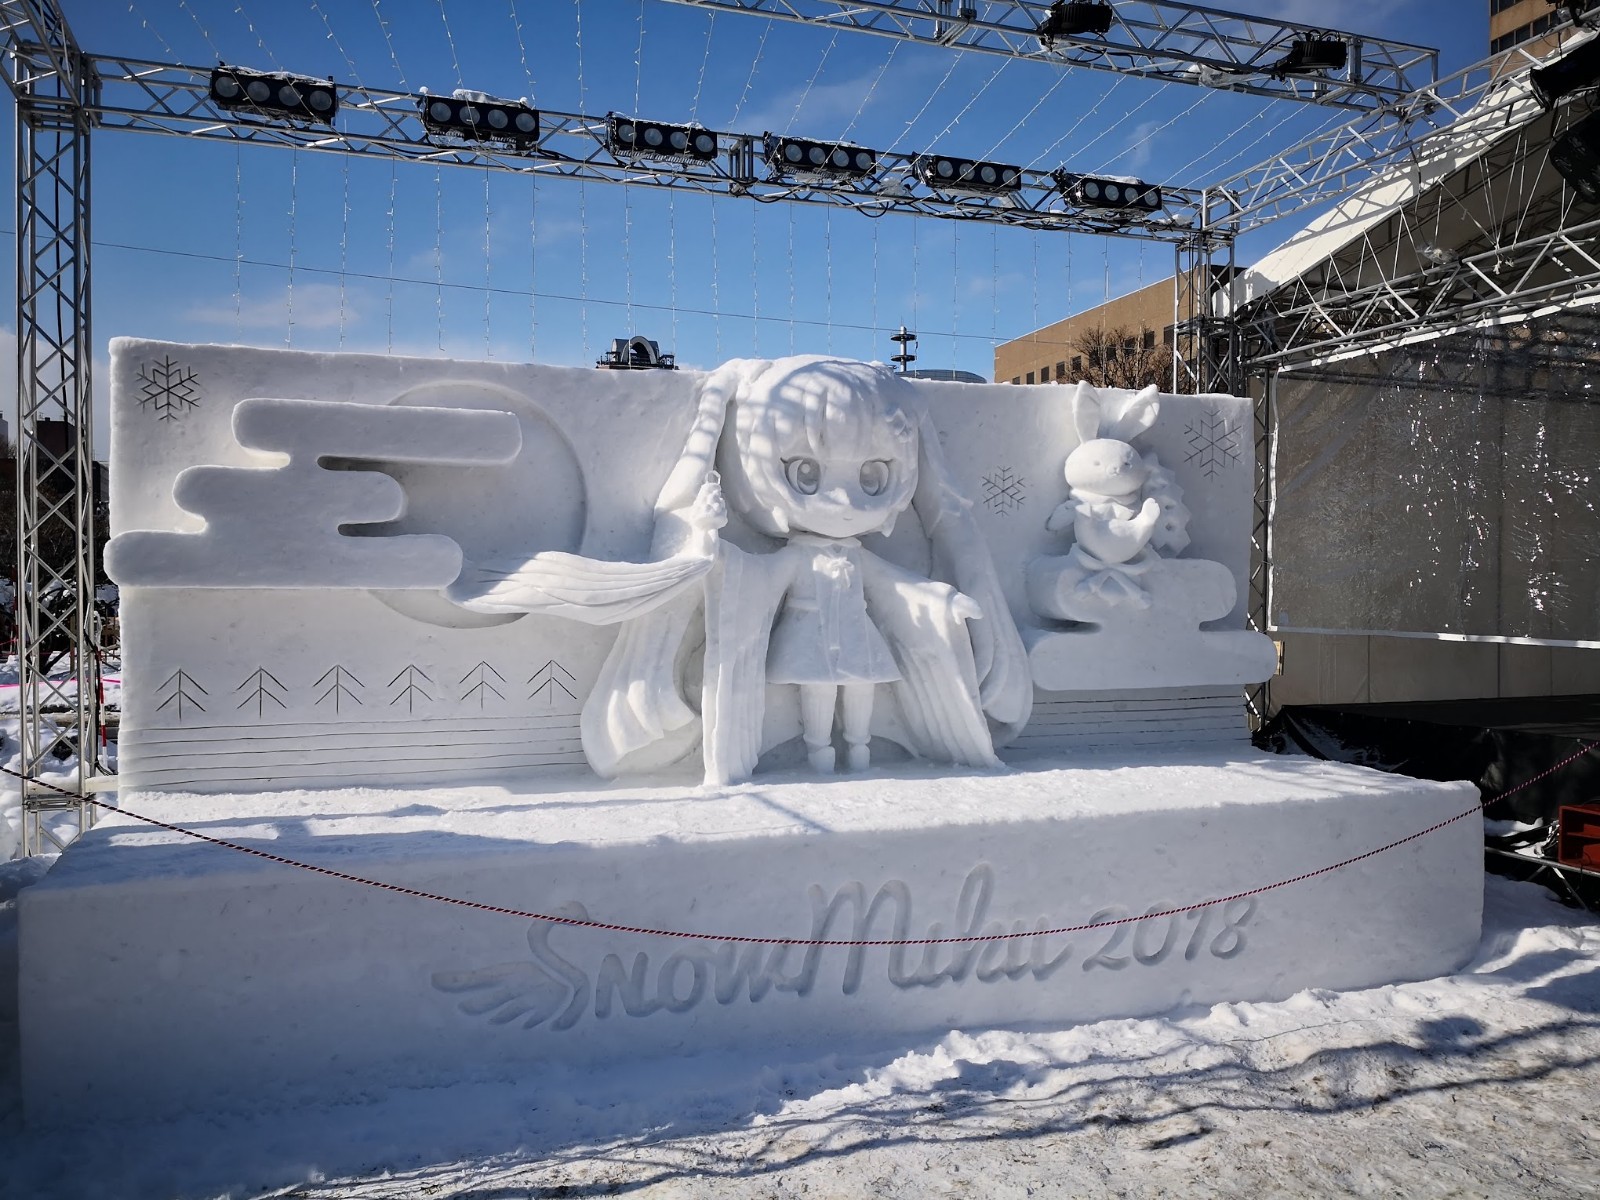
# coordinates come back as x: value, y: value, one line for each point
x: 1086, y: 413
x: 1140, y: 414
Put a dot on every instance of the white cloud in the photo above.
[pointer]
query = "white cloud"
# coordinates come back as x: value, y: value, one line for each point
x: 1139, y: 149
x: 828, y: 107
x: 308, y: 305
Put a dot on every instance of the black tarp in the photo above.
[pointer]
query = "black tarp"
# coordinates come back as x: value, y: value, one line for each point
x: 1496, y: 744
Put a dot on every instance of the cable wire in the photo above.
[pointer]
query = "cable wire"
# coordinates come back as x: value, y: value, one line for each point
x: 388, y: 38
x: 260, y: 41
x: 450, y: 41
x: 144, y: 23
x: 811, y: 83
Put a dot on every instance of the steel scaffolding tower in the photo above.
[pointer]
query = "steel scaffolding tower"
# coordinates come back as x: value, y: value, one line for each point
x: 55, y: 570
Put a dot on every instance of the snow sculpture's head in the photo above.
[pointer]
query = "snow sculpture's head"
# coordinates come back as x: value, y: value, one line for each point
x: 1105, y: 463
x: 822, y: 446
x: 1106, y: 468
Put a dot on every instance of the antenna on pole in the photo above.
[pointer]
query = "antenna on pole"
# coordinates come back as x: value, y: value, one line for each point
x: 906, y: 340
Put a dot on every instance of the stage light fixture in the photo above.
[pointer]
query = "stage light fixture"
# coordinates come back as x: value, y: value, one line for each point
x: 1074, y: 18
x: 274, y: 94
x: 1576, y: 157
x: 480, y: 118
x: 1576, y: 72
x: 800, y: 156
x: 1109, y: 194
x: 1314, y: 55
x: 944, y: 174
x: 631, y: 138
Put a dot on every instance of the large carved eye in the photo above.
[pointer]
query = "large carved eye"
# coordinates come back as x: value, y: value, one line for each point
x: 804, y: 475
x: 874, y: 477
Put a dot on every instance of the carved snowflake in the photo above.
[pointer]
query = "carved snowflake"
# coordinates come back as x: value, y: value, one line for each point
x: 1213, y: 443
x: 1004, y: 491
x: 169, y: 388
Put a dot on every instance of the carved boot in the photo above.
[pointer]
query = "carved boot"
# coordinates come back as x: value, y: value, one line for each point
x: 858, y: 756
x: 820, y: 758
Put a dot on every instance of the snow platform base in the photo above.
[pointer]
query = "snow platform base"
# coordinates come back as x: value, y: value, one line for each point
x: 160, y: 974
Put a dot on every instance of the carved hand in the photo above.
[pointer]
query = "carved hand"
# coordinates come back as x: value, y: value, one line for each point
x: 709, y: 510
x: 965, y: 607
x: 706, y: 515
x: 1062, y: 517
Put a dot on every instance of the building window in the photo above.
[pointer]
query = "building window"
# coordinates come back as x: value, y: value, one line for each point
x: 1167, y: 335
x: 1110, y: 354
x: 1149, y: 339
x: 1535, y: 28
x: 1061, y: 371
x: 1044, y: 373
x: 1016, y: 379
x: 1030, y: 376
x: 1077, y: 365
x: 1130, y: 347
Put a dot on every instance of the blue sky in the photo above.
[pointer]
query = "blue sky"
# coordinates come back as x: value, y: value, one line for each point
x: 367, y: 254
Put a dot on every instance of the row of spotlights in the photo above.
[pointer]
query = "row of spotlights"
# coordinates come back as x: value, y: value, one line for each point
x: 823, y: 158
x: 480, y: 120
x: 632, y: 138
x: 1088, y: 191
x: 968, y: 175
x: 274, y: 94
x: 499, y: 120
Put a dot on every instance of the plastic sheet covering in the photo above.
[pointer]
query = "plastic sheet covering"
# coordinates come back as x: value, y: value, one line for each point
x: 1448, y: 487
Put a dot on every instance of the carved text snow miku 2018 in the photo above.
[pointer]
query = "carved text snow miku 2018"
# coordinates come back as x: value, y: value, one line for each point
x: 562, y: 990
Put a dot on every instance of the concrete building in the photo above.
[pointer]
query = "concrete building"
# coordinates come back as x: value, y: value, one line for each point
x: 1062, y: 353
x: 1525, y: 23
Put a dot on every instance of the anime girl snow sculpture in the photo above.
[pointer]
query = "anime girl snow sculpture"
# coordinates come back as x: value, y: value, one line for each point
x: 810, y: 455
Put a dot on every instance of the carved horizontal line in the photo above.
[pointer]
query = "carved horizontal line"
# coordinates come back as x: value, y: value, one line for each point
x: 1114, y: 732
x: 1089, y: 721
x: 429, y: 733
x: 1070, y: 722
x: 209, y: 774
x: 269, y: 733
x: 398, y: 724
x: 1153, y: 714
x: 1132, y: 705
x: 148, y: 751
x: 1144, y: 741
x: 438, y: 754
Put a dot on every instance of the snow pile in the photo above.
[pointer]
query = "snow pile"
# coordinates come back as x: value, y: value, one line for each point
x: 1477, y: 1083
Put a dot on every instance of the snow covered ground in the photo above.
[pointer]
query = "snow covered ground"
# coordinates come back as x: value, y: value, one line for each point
x: 1485, y: 1083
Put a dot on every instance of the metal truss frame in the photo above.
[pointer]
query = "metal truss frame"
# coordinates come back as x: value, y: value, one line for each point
x: 1333, y: 163
x: 152, y: 97
x: 54, y: 87
x: 1500, y: 240
x: 1155, y: 39
x: 1545, y: 353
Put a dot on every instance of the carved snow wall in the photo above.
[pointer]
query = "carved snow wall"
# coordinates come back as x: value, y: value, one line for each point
x: 286, y: 526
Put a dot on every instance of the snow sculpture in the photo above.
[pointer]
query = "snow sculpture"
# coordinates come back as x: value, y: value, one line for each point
x: 302, y: 545
x: 812, y: 454
x: 1137, y: 610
